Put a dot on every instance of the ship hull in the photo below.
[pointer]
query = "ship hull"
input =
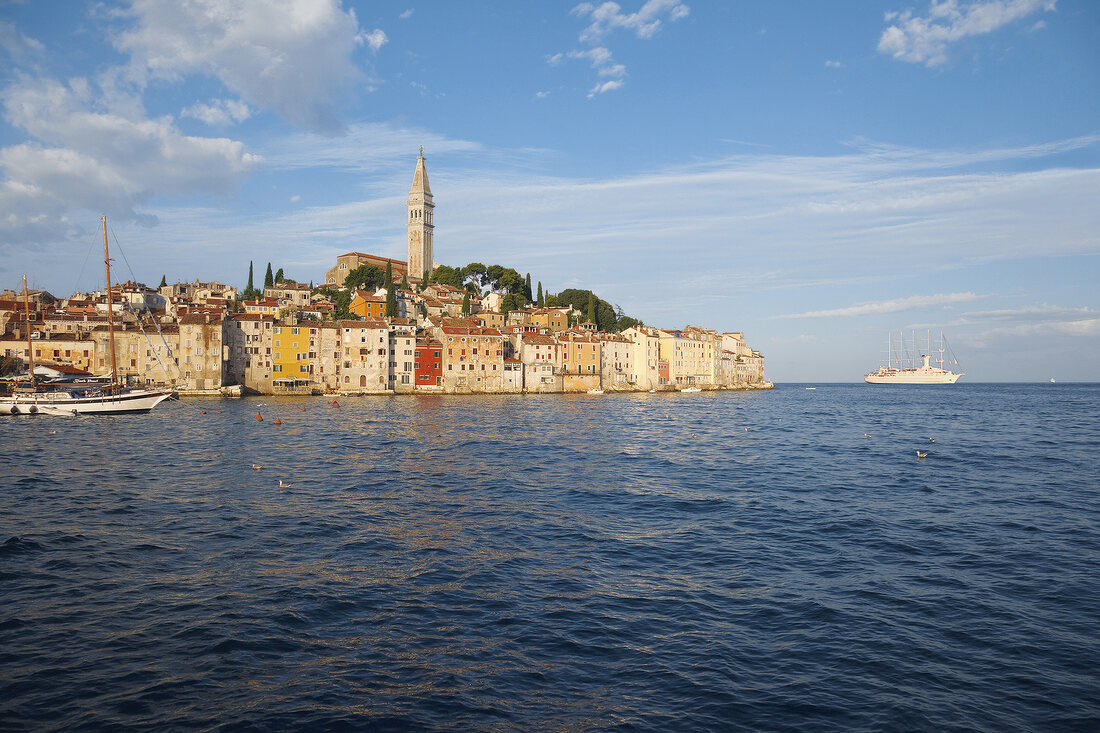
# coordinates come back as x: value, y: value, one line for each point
x: 61, y: 403
x: 912, y: 376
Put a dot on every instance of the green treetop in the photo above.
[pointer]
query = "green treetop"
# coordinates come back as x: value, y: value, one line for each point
x: 391, y: 292
x: 269, y: 279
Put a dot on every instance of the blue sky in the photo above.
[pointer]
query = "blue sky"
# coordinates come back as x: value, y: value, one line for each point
x: 813, y: 174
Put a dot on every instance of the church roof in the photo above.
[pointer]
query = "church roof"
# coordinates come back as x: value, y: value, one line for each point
x: 420, y: 177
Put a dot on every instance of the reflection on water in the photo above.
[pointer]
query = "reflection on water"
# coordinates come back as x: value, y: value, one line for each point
x: 578, y: 562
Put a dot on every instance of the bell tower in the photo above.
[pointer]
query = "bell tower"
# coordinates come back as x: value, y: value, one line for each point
x: 421, y: 222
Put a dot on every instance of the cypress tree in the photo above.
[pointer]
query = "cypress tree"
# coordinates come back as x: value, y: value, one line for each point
x: 249, y: 288
x: 391, y: 292
x: 541, y: 301
x: 527, y: 289
x: 592, y: 306
x: 163, y: 281
x: 279, y: 277
x: 466, y: 304
x: 269, y: 279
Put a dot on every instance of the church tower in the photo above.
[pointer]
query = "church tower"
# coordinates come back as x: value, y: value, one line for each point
x: 420, y: 222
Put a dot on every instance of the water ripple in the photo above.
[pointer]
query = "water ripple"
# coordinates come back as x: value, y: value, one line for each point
x: 715, y: 561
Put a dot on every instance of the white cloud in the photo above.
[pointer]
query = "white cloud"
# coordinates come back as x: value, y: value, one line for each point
x: 290, y: 56
x: 103, y: 160
x: 407, y: 14
x: 607, y: 17
x: 16, y: 45
x: 924, y: 39
x: 219, y: 112
x: 375, y: 40
x: 645, y: 23
x: 607, y: 86
x: 896, y: 305
x: 295, y: 199
x: 542, y: 95
x: 834, y: 65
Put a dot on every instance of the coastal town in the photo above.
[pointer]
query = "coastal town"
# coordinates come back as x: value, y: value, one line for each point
x: 376, y: 325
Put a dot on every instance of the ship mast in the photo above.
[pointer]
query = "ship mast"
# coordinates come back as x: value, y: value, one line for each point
x: 30, y: 348
x: 110, y: 308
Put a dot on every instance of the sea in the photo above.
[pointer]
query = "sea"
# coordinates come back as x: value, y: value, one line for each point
x: 721, y: 561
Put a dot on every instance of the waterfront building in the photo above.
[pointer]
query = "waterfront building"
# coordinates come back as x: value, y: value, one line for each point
x: 581, y: 359
x: 616, y: 362
x: 647, y: 354
x: 364, y: 356
x: 293, y: 351
x: 473, y: 358
x: 541, y: 357
x: 402, y: 345
x: 247, y: 350
x: 428, y: 367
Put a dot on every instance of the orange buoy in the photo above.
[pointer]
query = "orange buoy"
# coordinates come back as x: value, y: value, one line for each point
x: 303, y: 409
x: 218, y: 411
x: 202, y: 412
x: 335, y: 403
x: 259, y: 417
x: 278, y: 421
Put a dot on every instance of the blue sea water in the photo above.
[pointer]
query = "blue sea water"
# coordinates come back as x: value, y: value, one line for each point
x: 715, y: 561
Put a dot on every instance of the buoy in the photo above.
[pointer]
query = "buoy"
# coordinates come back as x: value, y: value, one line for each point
x: 259, y: 417
x: 335, y: 403
x: 202, y: 412
x: 218, y: 411
x: 278, y: 421
x: 303, y: 409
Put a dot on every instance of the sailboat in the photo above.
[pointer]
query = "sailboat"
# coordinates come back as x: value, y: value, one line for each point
x: 911, y: 373
x: 107, y: 397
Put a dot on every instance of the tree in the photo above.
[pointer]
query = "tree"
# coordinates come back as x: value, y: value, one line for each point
x: 341, y: 302
x: 250, y: 292
x: 367, y: 277
x: 541, y: 302
x: 445, y: 275
x: 475, y: 273
x: 493, y: 274
x: 163, y: 282
x: 405, y: 282
x: 512, y: 302
x: 466, y: 304
x: 512, y: 281
x: 279, y: 276
x: 391, y: 292
x: 269, y: 279
x: 527, y: 289
x: 592, y: 315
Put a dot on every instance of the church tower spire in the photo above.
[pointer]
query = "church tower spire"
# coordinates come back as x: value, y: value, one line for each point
x: 421, y: 222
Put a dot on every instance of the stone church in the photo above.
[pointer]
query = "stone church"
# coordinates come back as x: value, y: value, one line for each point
x: 421, y: 227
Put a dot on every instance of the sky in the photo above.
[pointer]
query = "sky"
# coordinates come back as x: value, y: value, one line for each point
x: 815, y: 175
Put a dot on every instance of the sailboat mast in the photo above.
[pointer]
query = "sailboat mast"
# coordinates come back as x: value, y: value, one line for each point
x: 30, y: 349
x: 110, y: 306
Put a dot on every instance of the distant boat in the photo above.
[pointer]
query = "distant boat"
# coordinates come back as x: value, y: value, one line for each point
x: 909, y: 373
x: 811, y: 388
x: 595, y: 391
x: 1052, y: 380
x: 691, y: 389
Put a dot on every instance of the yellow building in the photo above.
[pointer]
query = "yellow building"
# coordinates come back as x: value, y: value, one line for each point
x: 293, y: 351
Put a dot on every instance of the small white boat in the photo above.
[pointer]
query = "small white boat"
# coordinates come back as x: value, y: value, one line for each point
x: 811, y: 388
x: 595, y: 391
x: 691, y: 389
x: 1052, y: 380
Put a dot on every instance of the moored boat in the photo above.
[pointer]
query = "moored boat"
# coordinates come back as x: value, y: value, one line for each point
x: 108, y: 397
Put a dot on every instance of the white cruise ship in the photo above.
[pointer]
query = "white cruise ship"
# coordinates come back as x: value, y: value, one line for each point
x: 912, y: 374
